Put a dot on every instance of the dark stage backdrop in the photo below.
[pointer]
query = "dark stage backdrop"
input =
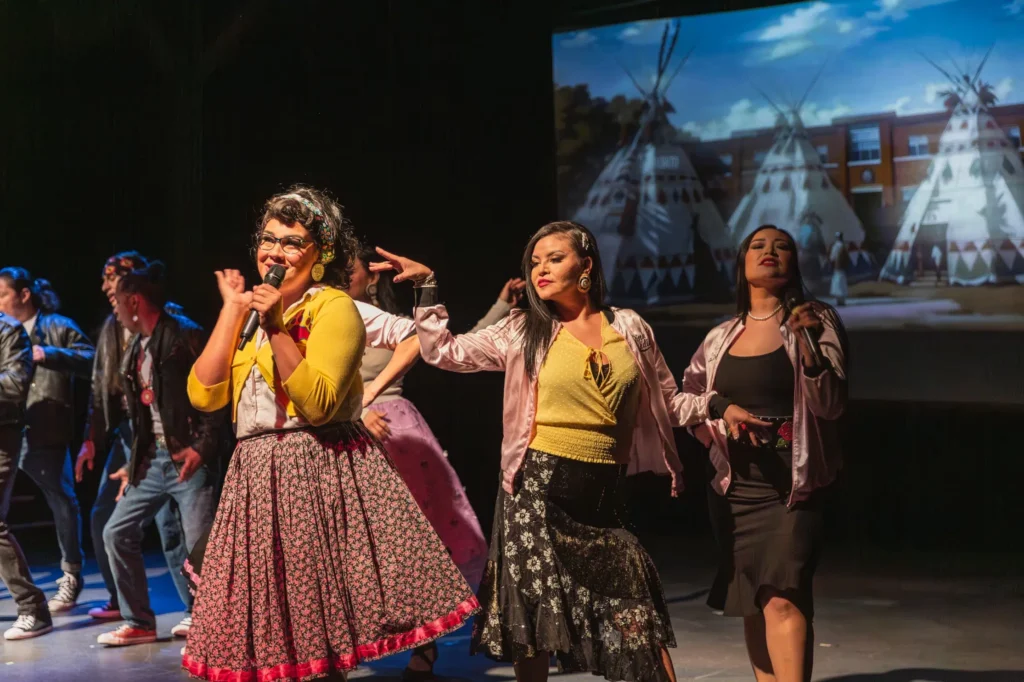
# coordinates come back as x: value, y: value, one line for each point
x: 163, y: 126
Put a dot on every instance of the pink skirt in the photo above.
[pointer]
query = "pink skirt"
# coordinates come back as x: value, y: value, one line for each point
x: 319, y: 558
x: 436, y: 487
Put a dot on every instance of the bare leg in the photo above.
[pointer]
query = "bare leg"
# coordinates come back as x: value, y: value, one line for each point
x: 666, y: 660
x: 757, y: 648
x: 786, y: 634
x: 534, y: 669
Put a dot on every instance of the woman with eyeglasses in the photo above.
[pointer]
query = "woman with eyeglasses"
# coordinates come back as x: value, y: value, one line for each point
x: 767, y: 483
x: 319, y: 558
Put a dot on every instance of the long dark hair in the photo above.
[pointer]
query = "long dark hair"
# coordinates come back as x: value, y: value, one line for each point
x: 796, y: 283
x: 327, y: 225
x: 540, y: 315
x: 386, y: 299
x: 796, y: 280
x: 148, y: 282
x: 43, y: 296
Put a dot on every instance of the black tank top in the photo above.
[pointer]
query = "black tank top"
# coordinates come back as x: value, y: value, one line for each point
x: 761, y: 384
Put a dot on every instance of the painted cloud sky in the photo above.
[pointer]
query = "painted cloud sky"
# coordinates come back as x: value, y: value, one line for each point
x: 871, y: 51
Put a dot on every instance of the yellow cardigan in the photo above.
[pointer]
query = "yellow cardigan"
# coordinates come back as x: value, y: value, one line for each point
x: 326, y: 386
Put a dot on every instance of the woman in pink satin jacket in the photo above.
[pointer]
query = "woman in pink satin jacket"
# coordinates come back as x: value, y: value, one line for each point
x: 563, y: 576
x: 767, y: 484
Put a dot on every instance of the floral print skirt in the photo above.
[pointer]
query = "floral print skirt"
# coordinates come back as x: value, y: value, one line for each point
x: 564, y: 576
x: 436, y: 487
x: 319, y: 558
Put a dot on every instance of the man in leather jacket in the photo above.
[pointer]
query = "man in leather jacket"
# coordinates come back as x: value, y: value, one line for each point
x: 171, y: 444
x: 15, y: 375
x: 109, y: 430
x: 61, y: 352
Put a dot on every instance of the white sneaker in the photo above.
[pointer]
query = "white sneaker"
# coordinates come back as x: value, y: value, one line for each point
x: 68, y: 589
x: 182, y: 628
x: 126, y: 635
x: 27, y: 627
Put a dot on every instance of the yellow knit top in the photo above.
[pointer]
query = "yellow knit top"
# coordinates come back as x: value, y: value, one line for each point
x: 326, y: 386
x: 586, y: 403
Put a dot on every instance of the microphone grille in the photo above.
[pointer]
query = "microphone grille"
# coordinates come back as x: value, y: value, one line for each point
x: 275, y: 276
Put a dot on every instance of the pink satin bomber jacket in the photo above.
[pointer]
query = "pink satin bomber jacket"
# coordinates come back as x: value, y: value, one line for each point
x: 818, y: 401
x: 499, y: 348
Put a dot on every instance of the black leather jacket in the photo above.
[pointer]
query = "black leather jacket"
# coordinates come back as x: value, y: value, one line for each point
x: 15, y: 371
x: 106, y: 407
x: 50, y: 413
x: 175, y: 344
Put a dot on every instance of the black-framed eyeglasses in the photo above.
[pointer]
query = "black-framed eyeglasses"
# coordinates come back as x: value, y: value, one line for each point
x: 289, y: 244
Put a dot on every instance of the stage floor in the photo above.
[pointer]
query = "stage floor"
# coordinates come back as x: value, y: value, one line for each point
x: 922, y: 618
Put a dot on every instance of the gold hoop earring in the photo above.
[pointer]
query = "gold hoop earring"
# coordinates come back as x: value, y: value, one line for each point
x: 584, y: 283
x: 317, y: 272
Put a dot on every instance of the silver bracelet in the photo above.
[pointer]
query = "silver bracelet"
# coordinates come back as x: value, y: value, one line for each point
x: 428, y: 281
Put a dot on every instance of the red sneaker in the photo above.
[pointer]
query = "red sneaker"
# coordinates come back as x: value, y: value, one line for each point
x: 126, y: 635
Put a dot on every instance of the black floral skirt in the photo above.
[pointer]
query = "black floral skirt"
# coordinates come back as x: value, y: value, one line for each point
x: 564, y: 576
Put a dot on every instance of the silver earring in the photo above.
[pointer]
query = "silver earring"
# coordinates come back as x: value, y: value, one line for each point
x: 135, y: 318
x: 372, y: 291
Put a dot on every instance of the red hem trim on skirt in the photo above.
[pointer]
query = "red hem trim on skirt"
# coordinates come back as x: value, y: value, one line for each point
x: 322, y: 666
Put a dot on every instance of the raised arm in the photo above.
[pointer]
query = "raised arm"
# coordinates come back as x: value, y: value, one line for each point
x: 384, y: 329
x: 482, y: 351
x: 508, y: 298
x: 209, y: 382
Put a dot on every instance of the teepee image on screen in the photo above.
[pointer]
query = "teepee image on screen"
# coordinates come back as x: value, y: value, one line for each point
x: 662, y: 240
x: 793, y: 191
x: 967, y: 217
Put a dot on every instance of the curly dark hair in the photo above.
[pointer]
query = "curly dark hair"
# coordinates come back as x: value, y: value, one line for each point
x: 330, y: 229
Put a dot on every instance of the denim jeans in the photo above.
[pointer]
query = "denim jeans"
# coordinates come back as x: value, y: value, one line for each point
x: 50, y: 468
x: 168, y: 524
x: 13, y: 568
x: 124, y: 531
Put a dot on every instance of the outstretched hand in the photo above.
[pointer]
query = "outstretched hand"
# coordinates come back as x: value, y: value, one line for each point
x: 404, y: 268
x: 231, y: 284
x: 741, y: 423
x: 512, y: 292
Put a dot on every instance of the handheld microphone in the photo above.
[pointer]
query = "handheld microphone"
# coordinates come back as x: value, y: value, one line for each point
x: 795, y: 298
x: 274, y: 278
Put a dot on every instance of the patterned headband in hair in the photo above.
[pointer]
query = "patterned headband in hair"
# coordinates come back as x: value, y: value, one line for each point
x: 324, y: 233
x: 122, y: 265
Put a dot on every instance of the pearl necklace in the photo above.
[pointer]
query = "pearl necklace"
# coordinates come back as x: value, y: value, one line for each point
x: 766, y: 317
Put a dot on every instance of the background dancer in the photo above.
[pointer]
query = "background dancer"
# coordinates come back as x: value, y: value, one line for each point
x: 60, y: 351
x: 767, y: 487
x: 172, y: 444
x: 408, y: 439
x: 587, y: 397
x: 107, y: 426
x: 312, y: 512
x: 34, y: 618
